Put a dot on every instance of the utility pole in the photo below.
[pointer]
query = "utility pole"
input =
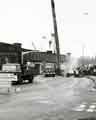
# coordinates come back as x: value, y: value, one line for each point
x: 83, y: 54
x: 56, y: 36
x: 83, y: 50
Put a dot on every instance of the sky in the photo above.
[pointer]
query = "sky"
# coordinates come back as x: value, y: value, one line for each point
x: 27, y: 21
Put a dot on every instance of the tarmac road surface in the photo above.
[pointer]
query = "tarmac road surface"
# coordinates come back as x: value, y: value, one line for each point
x: 49, y: 98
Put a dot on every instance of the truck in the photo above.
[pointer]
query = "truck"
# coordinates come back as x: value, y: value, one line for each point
x: 19, y: 72
x: 49, y: 70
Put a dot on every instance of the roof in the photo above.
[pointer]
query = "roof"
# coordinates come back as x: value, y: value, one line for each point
x: 6, y: 47
x: 25, y: 50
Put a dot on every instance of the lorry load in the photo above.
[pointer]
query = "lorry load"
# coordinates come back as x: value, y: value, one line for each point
x: 19, y: 72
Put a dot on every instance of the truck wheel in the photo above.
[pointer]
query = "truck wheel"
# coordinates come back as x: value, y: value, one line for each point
x: 13, y: 82
x: 19, y: 82
x: 46, y: 75
x: 20, y: 79
x: 53, y: 75
x: 31, y: 79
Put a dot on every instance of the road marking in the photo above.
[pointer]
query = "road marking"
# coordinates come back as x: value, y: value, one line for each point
x: 89, y: 110
x: 92, y: 106
x: 85, y: 107
x: 82, y: 106
x: 39, y: 97
x: 46, y: 102
x: 43, y: 100
x: 78, y: 109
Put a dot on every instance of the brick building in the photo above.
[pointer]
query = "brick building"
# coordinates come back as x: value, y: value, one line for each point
x: 10, y: 53
x: 40, y: 58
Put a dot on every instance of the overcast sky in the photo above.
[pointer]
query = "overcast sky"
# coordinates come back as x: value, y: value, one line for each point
x: 29, y: 20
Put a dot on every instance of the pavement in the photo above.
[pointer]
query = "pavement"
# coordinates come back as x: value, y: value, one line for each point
x: 57, y: 98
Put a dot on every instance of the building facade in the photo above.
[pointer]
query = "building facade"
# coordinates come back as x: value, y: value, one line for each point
x: 38, y: 59
x: 10, y: 53
x: 13, y: 53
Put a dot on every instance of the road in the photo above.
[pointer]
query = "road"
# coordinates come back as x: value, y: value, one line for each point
x: 55, y: 98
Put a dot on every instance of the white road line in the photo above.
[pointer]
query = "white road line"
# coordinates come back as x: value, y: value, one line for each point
x: 92, y: 106
x: 86, y: 107
x: 39, y: 97
x: 79, y: 108
x: 46, y: 102
x: 82, y: 106
x: 42, y: 99
x: 90, y: 110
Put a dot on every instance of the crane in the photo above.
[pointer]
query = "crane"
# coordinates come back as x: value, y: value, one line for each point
x: 34, y: 45
x: 56, y: 36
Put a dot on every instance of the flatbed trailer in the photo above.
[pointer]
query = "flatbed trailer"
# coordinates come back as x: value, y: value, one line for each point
x: 20, y: 74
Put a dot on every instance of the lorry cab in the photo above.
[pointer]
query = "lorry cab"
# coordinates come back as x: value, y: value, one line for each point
x: 49, y: 70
